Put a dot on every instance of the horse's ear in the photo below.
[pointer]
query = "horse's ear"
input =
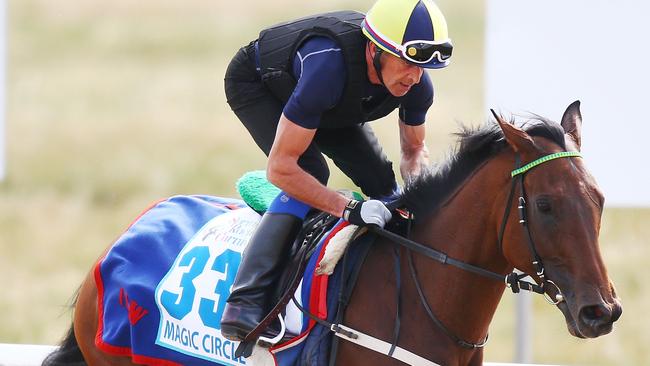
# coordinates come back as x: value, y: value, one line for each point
x: 572, y: 122
x: 517, y: 138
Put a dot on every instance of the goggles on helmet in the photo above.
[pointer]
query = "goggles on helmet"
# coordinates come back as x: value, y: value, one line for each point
x: 422, y: 52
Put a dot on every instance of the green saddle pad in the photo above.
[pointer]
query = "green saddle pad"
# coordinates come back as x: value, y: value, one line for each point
x: 256, y: 190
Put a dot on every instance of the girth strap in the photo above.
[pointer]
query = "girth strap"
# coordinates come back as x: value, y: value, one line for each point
x: 368, y: 341
x: 382, y: 347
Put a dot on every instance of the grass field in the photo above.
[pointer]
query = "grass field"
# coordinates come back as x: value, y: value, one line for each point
x: 113, y: 105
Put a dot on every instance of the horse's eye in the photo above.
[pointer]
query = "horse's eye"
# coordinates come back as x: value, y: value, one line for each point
x: 543, y: 204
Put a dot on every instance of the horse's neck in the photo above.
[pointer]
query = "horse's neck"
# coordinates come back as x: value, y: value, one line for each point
x: 466, y: 229
x: 466, y: 226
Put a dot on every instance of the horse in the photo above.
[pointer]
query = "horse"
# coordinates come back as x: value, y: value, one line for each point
x: 474, y: 219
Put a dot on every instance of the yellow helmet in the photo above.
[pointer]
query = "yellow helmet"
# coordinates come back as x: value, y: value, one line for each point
x: 414, y: 30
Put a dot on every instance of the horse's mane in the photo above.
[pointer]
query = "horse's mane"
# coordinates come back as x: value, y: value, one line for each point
x: 474, y: 147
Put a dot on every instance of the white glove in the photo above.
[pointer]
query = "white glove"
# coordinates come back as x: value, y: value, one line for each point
x: 364, y: 213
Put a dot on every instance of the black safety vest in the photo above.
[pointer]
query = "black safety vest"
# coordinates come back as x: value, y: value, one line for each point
x: 278, y: 46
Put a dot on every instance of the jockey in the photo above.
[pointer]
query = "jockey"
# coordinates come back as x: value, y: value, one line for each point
x: 308, y: 87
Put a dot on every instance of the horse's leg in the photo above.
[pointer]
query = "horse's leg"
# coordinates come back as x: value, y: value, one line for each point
x: 85, y: 327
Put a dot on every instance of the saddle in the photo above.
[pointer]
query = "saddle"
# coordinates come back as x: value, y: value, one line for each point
x: 258, y: 193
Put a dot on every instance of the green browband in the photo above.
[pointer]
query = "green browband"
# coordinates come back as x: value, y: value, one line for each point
x: 544, y: 159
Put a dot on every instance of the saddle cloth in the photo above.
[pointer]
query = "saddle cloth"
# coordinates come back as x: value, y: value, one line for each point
x: 163, y: 284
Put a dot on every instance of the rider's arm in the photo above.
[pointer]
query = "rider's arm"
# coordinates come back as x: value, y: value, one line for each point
x: 415, y: 155
x: 291, y: 141
x: 412, y: 114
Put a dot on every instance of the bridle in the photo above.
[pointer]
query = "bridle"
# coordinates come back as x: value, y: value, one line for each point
x: 514, y: 280
x: 518, y: 177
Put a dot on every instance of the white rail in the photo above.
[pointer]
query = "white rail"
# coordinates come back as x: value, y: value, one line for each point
x: 23, y: 354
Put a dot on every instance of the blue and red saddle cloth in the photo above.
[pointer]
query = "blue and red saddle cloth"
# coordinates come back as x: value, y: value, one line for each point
x: 163, y: 284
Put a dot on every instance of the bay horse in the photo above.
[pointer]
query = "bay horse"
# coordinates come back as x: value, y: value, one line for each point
x: 466, y: 209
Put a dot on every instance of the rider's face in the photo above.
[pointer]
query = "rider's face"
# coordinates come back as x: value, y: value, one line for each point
x: 399, y: 76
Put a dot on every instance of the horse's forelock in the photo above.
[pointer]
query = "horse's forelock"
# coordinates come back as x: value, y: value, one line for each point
x: 542, y: 127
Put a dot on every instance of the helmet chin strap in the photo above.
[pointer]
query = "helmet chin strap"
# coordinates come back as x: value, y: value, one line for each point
x: 377, y: 64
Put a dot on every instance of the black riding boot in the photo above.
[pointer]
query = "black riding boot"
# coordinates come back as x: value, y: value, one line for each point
x: 258, y: 273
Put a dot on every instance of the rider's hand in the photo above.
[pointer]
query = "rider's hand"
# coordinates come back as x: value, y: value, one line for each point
x: 364, y: 213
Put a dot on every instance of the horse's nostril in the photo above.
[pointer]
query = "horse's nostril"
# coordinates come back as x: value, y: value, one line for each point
x: 596, y: 315
x: 597, y: 312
